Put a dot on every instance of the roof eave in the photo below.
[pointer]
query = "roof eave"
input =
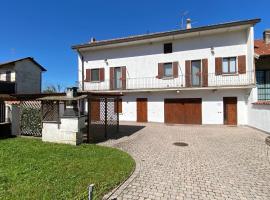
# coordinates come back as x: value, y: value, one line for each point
x: 164, y: 34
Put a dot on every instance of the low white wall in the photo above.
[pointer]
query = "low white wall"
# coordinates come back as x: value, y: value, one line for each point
x: 258, y: 115
x: 69, y: 131
x: 212, y: 104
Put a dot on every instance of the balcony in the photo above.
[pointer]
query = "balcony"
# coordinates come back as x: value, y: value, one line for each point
x: 7, y: 87
x: 196, y: 81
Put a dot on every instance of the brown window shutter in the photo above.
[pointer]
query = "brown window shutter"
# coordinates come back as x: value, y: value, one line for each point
x: 188, y: 73
x: 124, y: 77
x: 242, y: 64
x: 87, y: 75
x: 204, y: 72
x: 175, y: 69
x: 218, y: 66
x: 111, y: 78
x: 160, y: 71
x: 101, y: 74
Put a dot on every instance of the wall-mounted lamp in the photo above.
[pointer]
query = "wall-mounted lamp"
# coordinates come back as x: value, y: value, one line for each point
x: 106, y: 61
x: 212, y: 50
x: 177, y: 91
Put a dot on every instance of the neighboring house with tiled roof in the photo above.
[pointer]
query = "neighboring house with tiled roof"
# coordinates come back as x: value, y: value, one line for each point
x: 20, y: 76
x: 259, y: 110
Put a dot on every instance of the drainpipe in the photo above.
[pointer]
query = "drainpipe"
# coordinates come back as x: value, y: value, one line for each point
x: 82, y: 60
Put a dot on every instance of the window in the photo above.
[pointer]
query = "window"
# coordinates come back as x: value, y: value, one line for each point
x: 168, y: 48
x: 95, y: 75
x: 8, y: 76
x: 229, y: 65
x: 263, y: 84
x: 168, y: 71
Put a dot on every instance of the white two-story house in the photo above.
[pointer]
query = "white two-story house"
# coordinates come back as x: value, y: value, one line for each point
x: 201, y: 75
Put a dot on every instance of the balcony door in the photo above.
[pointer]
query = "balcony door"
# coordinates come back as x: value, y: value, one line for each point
x: 117, y: 78
x: 196, y: 73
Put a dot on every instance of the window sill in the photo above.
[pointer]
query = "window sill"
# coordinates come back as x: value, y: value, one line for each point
x: 95, y: 81
x: 230, y: 74
x: 167, y: 77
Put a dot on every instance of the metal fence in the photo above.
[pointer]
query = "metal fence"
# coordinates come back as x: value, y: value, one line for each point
x: 2, y: 112
x: 30, y: 118
x: 182, y: 81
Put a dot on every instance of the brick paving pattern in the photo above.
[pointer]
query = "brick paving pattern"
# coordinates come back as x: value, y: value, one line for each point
x: 218, y: 163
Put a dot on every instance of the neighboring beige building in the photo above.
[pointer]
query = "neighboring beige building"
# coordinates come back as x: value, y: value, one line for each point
x: 21, y: 76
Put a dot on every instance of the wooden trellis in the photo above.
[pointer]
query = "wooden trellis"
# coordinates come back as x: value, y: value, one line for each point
x: 103, y: 118
x: 30, y: 118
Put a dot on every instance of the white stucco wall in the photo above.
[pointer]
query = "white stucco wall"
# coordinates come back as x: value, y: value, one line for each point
x: 258, y: 115
x: 28, y: 77
x: 69, y: 131
x: 212, y: 104
x: 142, y: 60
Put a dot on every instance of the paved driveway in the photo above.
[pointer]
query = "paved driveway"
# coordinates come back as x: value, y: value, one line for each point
x: 218, y: 163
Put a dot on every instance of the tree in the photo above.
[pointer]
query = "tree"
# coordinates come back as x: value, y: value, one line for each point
x: 52, y: 89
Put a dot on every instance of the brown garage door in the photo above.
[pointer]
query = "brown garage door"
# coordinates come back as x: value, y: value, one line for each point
x: 183, y: 111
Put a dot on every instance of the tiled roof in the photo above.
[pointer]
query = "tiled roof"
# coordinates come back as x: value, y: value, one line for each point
x: 166, y: 33
x: 261, y: 48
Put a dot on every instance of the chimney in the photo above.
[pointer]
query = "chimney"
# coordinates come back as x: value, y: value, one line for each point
x: 92, y: 40
x: 266, y: 36
x: 188, y: 23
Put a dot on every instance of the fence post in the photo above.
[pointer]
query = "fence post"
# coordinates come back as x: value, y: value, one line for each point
x: 89, y: 119
x: 90, y: 191
x: 117, y: 114
x: 106, y: 113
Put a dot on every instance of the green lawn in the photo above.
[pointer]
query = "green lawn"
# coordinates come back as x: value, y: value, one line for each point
x: 31, y: 169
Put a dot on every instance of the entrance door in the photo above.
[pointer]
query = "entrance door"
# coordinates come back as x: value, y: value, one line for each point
x: 196, y: 73
x: 141, y: 109
x: 117, y: 78
x: 230, y: 110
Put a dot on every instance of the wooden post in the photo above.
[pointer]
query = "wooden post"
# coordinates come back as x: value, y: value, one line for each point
x: 117, y: 114
x: 89, y: 119
x: 58, y: 111
x: 106, y: 114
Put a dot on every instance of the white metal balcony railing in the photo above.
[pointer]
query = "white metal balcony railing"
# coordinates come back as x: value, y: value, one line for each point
x: 182, y: 81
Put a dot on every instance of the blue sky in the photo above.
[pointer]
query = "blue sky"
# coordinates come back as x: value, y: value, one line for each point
x: 46, y: 29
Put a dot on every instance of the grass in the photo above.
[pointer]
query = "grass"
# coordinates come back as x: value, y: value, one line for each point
x: 31, y: 169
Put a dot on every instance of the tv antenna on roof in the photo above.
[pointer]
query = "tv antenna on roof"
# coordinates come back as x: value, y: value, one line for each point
x: 183, y: 15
